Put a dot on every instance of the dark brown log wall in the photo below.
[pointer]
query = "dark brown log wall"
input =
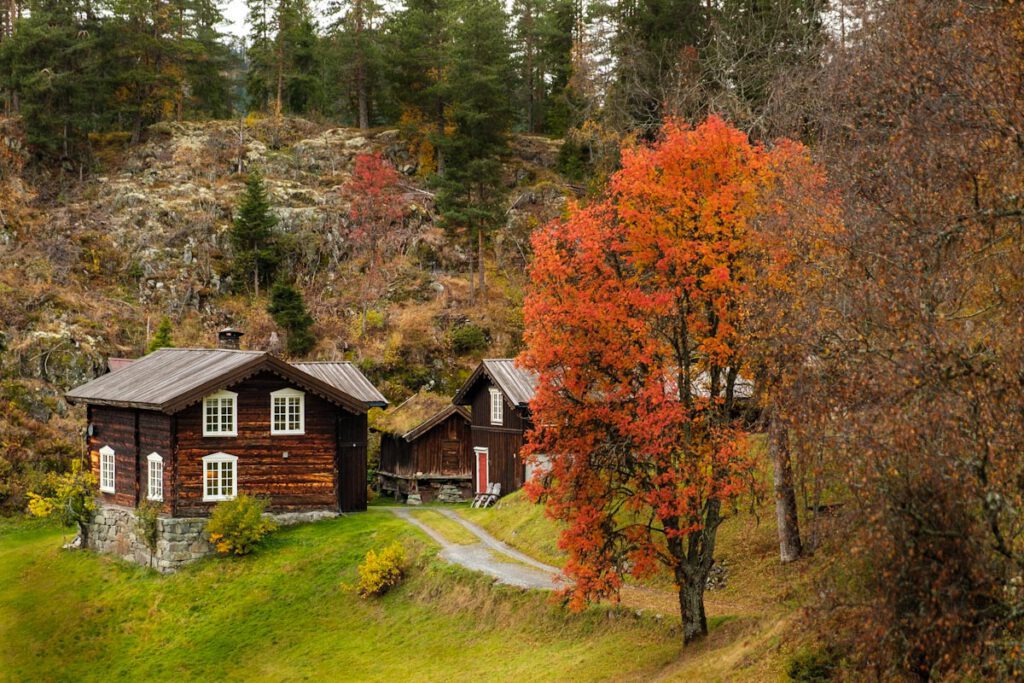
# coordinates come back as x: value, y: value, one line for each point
x: 133, y: 434
x: 115, y: 427
x: 426, y: 453
x: 306, y: 479
x: 155, y: 437
x: 503, y: 443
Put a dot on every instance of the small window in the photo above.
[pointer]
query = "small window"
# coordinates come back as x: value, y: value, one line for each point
x: 287, y: 412
x: 220, y: 476
x: 107, y: 461
x: 220, y: 414
x: 156, y: 477
x: 497, y: 407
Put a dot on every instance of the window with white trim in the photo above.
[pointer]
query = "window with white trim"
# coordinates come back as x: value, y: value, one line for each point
x: 107, y: 460
x: 287, y: 412
x: 220, y: 476
x: 497, y: 407
x: 220, y: 414
x: 155, y: 472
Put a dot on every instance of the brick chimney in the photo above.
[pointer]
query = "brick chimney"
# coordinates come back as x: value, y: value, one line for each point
x: 229, y: 338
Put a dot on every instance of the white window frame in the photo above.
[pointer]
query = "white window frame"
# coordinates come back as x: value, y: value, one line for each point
x: 288, y: 394
x: 497, y: 407
x: 218, y: 459
x: 219, y: 397
x: 154, y: 461
x: 108, y: 484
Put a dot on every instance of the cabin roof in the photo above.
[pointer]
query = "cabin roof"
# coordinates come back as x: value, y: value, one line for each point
x: 168, y: 380
x: 345, y: 376
x: 417, y: 415
x: 516, y: 383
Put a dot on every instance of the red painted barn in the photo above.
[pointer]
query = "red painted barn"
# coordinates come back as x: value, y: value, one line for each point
x: 191, y: 427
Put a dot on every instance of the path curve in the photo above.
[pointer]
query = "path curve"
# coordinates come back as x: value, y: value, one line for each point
x: 486, y: 557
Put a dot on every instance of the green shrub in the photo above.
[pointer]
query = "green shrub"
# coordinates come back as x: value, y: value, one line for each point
x: 812, y: 666
x: 380, y: 572
x: 237, y: 526
x: 147, y: 525
x: 68, y: 498
x: 467, y: 339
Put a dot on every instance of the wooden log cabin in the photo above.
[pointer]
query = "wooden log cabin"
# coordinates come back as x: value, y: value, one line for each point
x: 499, y: 393
x: 425, y: 444
x: 191, y: 427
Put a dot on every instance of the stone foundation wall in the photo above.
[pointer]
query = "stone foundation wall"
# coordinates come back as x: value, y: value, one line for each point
x: 180, y: 540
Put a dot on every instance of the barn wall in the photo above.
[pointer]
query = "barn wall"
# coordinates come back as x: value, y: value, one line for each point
x: 480, y: 399
x: 305, y: 480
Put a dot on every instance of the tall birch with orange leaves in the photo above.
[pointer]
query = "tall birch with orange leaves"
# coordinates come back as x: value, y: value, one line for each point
x: 635, y: 325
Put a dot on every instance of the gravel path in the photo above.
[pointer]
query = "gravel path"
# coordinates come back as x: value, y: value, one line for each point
x: 490, y: 556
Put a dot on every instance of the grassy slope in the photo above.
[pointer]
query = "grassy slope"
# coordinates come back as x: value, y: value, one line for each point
x: 283, y: 614
x: 754, y: 619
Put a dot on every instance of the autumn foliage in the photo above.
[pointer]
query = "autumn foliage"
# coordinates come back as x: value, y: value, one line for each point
x: 636, y: 326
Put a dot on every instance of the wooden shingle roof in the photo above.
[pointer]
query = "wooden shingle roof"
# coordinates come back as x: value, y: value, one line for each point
x: 516, y: 383
x: 168, y: 380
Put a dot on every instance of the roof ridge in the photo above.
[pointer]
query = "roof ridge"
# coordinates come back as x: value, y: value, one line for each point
x: 321, y: 362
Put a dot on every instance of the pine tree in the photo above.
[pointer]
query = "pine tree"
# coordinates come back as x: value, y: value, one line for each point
x: 162, y: 337
x: 356, y: 47
x: 470, y: 193
x: 257, y: 252
x: 420, y: 60
x: 289, y: 311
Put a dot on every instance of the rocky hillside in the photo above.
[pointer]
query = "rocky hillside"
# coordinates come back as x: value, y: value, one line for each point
x: 89, y: 266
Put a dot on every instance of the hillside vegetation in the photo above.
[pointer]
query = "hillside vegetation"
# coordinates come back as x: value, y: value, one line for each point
x: 147, y: 237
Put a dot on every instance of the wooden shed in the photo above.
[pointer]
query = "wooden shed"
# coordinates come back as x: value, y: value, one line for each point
x: 425, y: 445
x: 499, y: 392
x: 190, y: 427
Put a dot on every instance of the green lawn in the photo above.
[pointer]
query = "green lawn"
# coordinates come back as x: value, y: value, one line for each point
x: 285, y: 614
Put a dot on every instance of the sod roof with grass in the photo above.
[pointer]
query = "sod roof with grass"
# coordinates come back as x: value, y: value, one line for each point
x: 417, y: 415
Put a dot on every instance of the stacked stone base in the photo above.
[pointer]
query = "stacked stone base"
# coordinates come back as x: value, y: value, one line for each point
x: 180, y: 540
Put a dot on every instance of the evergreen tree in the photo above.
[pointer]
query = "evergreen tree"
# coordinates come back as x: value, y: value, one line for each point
x: 53, y: 64
x: 260, y: 53
x: 289, y: 311
x: 356, y: 50
x: 162, y: 337
x: 470, y: 193
x: 420, y: 59
x: 257, y: 252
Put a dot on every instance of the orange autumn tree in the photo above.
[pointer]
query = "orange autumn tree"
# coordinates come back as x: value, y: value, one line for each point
x: 634, y: 325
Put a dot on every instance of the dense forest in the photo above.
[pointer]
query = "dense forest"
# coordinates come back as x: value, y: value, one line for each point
x: 821, y: 196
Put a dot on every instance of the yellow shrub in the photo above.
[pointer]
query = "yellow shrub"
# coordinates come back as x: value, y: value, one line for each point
x: 382, y: 571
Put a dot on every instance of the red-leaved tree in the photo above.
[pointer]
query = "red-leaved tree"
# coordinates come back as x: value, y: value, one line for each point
x: 377, y: 227
x: 634, y: 324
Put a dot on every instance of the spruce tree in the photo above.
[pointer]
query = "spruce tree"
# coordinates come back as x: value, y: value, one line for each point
x: 471, y: 193
x: 288, y: 309
x: 162, y: 337
x: 257, y: 252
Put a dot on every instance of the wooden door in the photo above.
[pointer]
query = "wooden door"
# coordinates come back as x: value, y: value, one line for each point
x: 483, y: 459
x: 450, y: 452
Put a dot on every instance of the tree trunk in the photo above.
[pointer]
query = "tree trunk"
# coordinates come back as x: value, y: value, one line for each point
x: 785, y: 494
x: 480, y: 258
x: 364, y: 116
x: 472, y: 280
x: 438, y: 153
x: 691, y: 608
